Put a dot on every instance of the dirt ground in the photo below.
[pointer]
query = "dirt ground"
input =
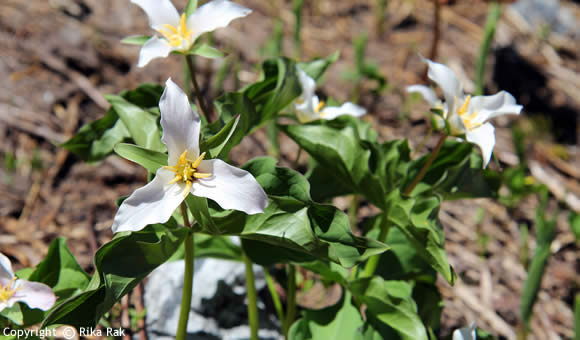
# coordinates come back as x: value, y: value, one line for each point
x: 58, y: 58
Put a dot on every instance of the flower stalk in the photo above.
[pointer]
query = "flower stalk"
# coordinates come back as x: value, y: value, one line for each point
x: 200, y: 102
x: 426, y: 166
x: 187, y: 278
x: 291, y: 300
x: 252, y: 298
x: 373, y: 262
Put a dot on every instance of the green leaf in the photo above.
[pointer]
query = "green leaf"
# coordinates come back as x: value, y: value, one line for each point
x: 418, y: 219
x: 199, y: 208
x: 136, y: 39
x: 142, y: 124
x: 120, y: 265
x: 96, y: 140
x: 456, y: 173
x: 346, y: 150
x: 206, y: 51
x: 262, y: 101
x: 214, y: 145
x: 60, y: 271
x: 149, y: 159
x: 190, y: 8
x: 574, y: 220
x: 340, y: 321
x: 301, y: 230
x: 219, y: 247
x: 389, y: 306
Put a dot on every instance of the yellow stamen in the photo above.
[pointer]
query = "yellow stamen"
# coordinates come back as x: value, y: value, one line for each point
x: 463, y: 109
x: 319, y: 107
x: 8, y: 291
x: 186, y: 171
x: 177, y: 35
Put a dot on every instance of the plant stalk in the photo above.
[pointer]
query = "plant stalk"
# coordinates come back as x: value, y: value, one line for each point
x: 426, y: 166
x: 291, y: 300
x: 252, y: 298
x: 275, y: 296
x: 187, y: 278
x: 492, y: 18
x: 200, y: 102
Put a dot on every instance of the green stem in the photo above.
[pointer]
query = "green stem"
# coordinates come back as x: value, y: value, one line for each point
x: 291, y: 299
x: 200, y: 102
x: 275, y: 296
x: 492, y: 18
x: 373, y: 262
x: 187, y: 279
x: 426, y: 165
x: 297, y: 158
x: 352, y: 210
x: 272, y: 133
x: 252, y: 298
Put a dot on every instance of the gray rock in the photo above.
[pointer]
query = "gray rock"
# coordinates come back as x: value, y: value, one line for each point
x: 219, y: 309
x: 548, y: 12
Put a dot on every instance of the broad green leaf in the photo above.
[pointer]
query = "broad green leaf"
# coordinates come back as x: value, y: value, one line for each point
x: 456, y: 173
x: 206, y: 51
x: 429, y: 304
x: 301, y: 230
x: 220, y: 247
x: 346, y: 150
x: 215, y: 144
x: 316, y: 69
x: 149, y: 159
x: 389, y: 305
x: 120, y: 265
x: 263, y: 100
x: 136, y: 39
x: 96, y: 140
x: 418, y: 219
x: 340, y: 321
x: 199, y: 208
x: 190, y: 7
x: 142, y: 124
x: 60, y: 271
x: 329, y: 271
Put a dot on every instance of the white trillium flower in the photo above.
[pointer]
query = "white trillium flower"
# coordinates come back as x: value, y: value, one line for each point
x: 466, y: 115
x: 187, y: 172
x: 310, y: 108
x: 178, y: 33
x: 13, y: 290
x: 466, y: 333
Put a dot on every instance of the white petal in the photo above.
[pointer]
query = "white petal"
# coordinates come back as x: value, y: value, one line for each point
x: 230, y: 187
x: 35, y: 295
x: 6, y: 271
x: 153, y: 203
x: 499, y: 104
x: 307, y: 83
x: 153, y: 48
x: 427, y: 93
x: 214, y: 14
x: 180, y: 124
x: 347, y: 108
x: 467, y: 333
x: 446, y: 80
x: 305, y: 110
x: 160, y: 12
x: 484, y: 137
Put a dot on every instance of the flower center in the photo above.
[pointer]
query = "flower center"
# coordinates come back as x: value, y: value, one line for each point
x: 8, y: 291
x: 186, y: 171
x: 177, y: 35
x: 465, y: 117
x: 319, y: 107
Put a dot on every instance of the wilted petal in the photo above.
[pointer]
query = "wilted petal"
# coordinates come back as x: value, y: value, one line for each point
x: 446, y: 80
x: 499, y: 104
x: 153, y: 203
x: 467, y: 333
x: 484, y: 137
x: 427, y: 93
x: 35, y: 294
x: 347, y: 108
x: 214, y: 14
x: 180, y: 124
x: 230, y: 187
x: 6, y: 272
x: 160, y: 12
x: 153, y: 48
